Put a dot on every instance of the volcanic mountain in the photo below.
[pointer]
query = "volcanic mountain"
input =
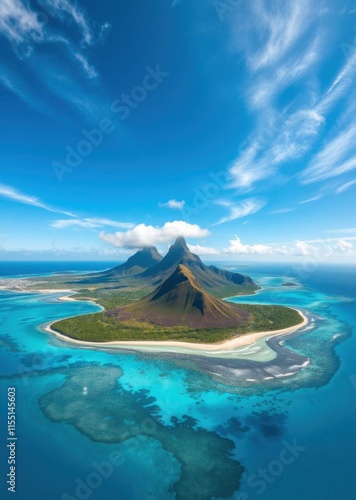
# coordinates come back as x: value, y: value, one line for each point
x: 210, y: 277
x: 136, y: 264
x: 181, y: 301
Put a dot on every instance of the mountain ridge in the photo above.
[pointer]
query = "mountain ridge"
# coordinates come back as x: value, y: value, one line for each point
x: 181, y: 301
x: 136, y: 264
x: 210, y: 277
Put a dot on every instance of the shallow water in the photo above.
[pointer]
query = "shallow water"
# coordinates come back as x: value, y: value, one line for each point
x: 257, y: 411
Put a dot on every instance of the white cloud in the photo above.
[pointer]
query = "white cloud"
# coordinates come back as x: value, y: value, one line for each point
x: 18, y: 23
x: 21, y: 25
x: 17, y: 196
x: 13, y: 194
x: 246, y: 170
x: 237, y: 211
x: 68, y: 223
x: 173, y: 204
x: 90, y: 223
x: 284, y: 137
x: 278, y: 26
x: 280, y: 138
x: 281, y: 211
x: 267, y: 87
x: 112, y: 223
x: 236, y: 247
x: 142, y: 235
x: 345, y: 73
x: 335, y: 158
x: 65, y: 9
x: 310, y: 200
x: 343, y: 246
x: 345, y: 186
x: 203, y: 250
x: 29, y: 31
x: 87, y: 67
x: 282, y: 43
x: 17, y: 88
x: 316, y: 249
x: 345, y: 231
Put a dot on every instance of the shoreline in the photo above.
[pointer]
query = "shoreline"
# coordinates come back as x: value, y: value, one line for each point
x: 225, y: 346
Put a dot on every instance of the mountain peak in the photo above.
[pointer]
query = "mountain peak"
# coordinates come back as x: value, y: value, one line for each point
x: 143, y: 259
x: 180, y: 275
x: 181, y: 301
x: 180, y: 242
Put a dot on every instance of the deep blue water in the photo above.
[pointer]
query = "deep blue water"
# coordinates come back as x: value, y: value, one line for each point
x: 315, y: 409
x: 14, y: 268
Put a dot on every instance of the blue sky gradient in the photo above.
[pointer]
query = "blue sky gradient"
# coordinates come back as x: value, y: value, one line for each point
x: 128, y: 123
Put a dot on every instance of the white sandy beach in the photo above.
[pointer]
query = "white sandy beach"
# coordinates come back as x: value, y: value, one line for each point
x: 225, y: 346
x: 245, y: 340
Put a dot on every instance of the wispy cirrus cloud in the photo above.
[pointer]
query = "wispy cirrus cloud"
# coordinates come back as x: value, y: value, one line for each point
x: 15, y: 195
x: 90, y: 223
x: 310, y: 200
x: 279, y: 139
x: 337, y: 157
x: 283, y: 45
x: 280, y: 42
x: 272, y: 30
x: 349, y: 230
x: 31, y: 30
x: 239, y: 210
x: 270, y: 84
x: 345, y: 187
x: 18, y: 23
x: 281, y: 211
x: 70, y: 11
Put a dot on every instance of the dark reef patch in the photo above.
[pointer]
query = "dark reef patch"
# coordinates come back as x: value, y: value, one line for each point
x: 270, y: 425
x: 93, y: 401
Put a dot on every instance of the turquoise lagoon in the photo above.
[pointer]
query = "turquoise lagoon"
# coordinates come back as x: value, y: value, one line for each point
x: 274, y: 422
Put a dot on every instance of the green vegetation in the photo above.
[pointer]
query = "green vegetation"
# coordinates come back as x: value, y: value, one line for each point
x: 101, y: 328
x: 109, y: 298
x: 150, y: 298
x: 235, y: 290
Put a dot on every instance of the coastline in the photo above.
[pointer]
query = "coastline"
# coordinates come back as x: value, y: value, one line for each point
x: 225, y: 346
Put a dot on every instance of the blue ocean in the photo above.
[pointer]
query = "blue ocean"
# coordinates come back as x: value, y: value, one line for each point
x: 278, y: 429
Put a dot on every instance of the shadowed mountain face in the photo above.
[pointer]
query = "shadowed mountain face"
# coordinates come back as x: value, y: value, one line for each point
x: 180, y: 300
x: 136, y: 264
x: 210, y: 277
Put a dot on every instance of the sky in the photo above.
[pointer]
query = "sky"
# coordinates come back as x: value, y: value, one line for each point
x: 126, y: 124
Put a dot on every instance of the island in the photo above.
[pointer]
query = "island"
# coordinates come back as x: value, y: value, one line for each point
x: 289, y: 283
x: 172, y: 300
